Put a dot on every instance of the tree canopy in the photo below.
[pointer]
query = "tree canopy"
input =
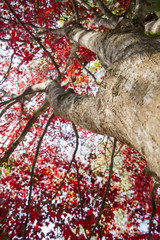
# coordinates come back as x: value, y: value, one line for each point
x: 57, y: 180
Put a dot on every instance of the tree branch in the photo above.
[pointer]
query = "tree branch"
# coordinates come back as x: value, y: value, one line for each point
x: 107, y: 188
x: 7, y: 94
x: 104, y: 9
x: 76, y: 10
x: 113, y: 18
x: 78, y: 182
x: 7, y: 107
x: 86, y: 5
x: 153, y: 209
x: 5, y: 40
x: 9, y: 68
x: 40, y: 87
x: 108, y: 23
x: 139, y: 16
x: 60, y: 32
x: 72, y: 54
x: 35, y: 38
x: 69, y: 167
x: 92, y: 75
x: 153, y: 27
x: 24, y: 132
x: 32, y: 173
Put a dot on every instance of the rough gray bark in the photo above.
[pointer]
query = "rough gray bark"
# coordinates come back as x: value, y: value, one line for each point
x: 127, y: 104
x: 140, y: 12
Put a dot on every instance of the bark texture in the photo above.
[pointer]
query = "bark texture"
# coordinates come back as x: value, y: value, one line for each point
x: 127, y: 104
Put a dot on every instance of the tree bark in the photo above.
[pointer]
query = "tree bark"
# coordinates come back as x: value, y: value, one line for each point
x: 127, y: 104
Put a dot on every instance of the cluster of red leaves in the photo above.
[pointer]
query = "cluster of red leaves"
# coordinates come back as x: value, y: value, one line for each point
x: 36, y: 15
x: 65, y: 215
x: 123, y: 4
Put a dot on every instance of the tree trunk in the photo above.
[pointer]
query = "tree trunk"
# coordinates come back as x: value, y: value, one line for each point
x: 127, y: 104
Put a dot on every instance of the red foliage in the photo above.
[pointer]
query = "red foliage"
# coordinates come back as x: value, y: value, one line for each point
x: 70, y: 214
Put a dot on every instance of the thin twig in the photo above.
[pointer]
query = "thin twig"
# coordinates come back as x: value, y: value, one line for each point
x: 78, y: 182
x: 32, y: 173
x: 5, y: 40
x: 99, y: 231
x: 107, y: 23
x: 7, y: 107
x: 7, y: 94
x: 88, y: 7
x: 72, y: 54
x: 76, y: 10
x: 69, y: 167
x: 112, y: 18
x: 39, y: 87
x: 89, y: 72
x: 20, y: 117
x: 7, y: 73
x: 153, y: 209
x: 119, y: 149
x: 105, y: 10
x: 35, y: 38
x: 15, y: 99
x: 107, y: 188
x: 24, y: 132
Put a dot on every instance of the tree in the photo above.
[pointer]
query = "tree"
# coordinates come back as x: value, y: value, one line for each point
x: 126, y: 107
